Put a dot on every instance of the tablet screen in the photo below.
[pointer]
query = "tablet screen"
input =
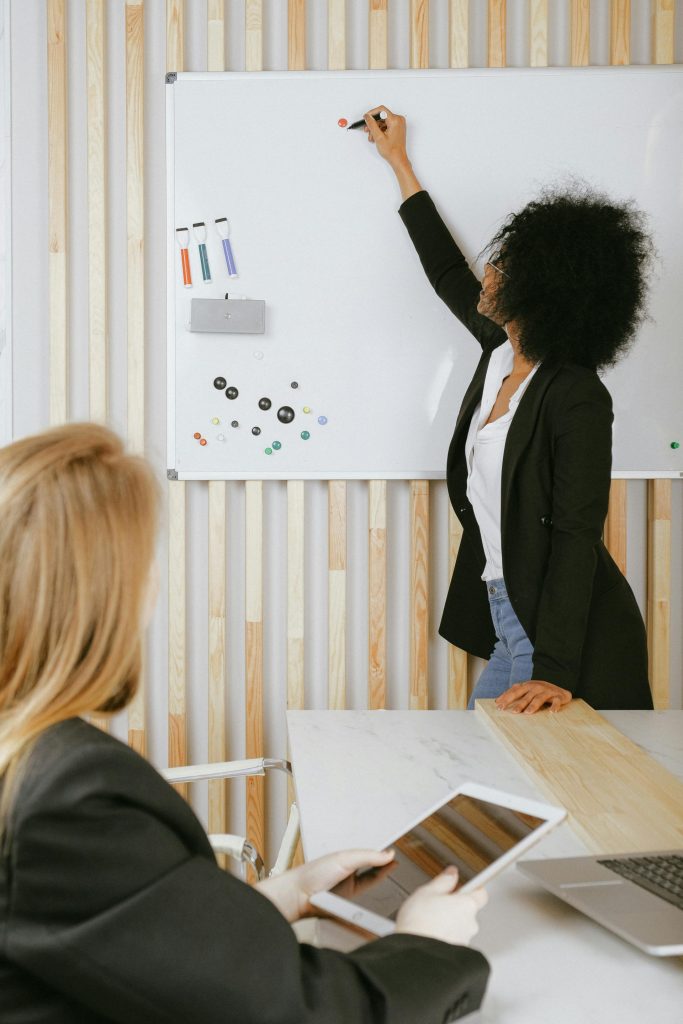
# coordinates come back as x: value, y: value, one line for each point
x: 466, y: 832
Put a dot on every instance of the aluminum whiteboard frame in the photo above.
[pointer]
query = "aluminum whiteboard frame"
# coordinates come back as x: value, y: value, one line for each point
x: 171, y: 79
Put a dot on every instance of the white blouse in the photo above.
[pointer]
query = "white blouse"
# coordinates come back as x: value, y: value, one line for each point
x: 484, y: 451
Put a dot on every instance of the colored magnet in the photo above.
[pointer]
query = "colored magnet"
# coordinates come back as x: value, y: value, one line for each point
x: 258, y: 355
x: 256, y: 431
x: 203, y: 441
x: 220, y: 383
x: 675, y: 444
x: 305, y: 435
x: 322, y: 420
x: 196, y: 436
x: 277, y: 446
x: 264, y: 403
x: 268, y: 451
x: 294, y: 384
x: 235, y: 423
x: 231, y: 393
x: 285, y: 414
x: 342, y: 122
x: 220, y: 437
x: 307, y: 408
x: 215, y: 421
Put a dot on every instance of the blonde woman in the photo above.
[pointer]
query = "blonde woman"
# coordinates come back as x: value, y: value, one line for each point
x: 112, y: 906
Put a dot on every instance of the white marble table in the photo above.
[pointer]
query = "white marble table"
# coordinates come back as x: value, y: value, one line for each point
x: 362, y: 775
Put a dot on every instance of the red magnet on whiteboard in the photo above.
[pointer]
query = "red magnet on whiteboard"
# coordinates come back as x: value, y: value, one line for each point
x: 203, y: 442
x: 342, y: 122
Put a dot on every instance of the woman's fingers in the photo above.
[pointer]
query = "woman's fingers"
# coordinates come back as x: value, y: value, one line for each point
x: 480, y: 898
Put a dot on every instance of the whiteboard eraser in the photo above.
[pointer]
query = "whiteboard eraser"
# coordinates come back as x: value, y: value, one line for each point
x: 228, y: 316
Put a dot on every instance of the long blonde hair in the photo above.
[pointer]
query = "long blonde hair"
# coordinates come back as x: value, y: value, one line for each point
x: 77, y: 536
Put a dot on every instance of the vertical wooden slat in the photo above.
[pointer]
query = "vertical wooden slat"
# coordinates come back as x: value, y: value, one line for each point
x: 538, y: 33
x: 296, y: 35
x: 256, y: 814
x: 336, y: 656
x: 295, y: 595
x: 217, y: 717
x: 215, y: 35
x: 177, y: 583
x: 620, y: 32
x: 378, y: 35
x: 135, y: 222
x: 253, y: 43
x: 419, y: 33
x: 177, y: 654
x: 457, y: 659
x: 458, y: 33
x: 663, y: 17
x: 57, y: 207
x: 496, y: 34
x: 419, y: 595
x: 659, y: 587
x: 175, y: 35
x: 135, y: 228
x: 336, y: 35
x: 377, y: 594
x: 659, y: 491
x: 615, y: 524
x: 580, y: 32
x: 97, y: 238
x: 217, y: 745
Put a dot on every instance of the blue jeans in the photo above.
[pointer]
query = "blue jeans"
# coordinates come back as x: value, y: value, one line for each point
x: 511, y: 660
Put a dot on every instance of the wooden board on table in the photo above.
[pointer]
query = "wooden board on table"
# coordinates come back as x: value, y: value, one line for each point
x: 619, y: 799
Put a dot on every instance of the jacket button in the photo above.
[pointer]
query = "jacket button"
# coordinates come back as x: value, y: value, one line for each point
x: 463, y: 509
x: 546, y: 521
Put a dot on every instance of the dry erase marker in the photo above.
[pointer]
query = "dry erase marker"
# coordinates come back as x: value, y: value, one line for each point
x: 223, y: 229
x: 200, y: 236
x: 382, y: 116
x: 183, y: 239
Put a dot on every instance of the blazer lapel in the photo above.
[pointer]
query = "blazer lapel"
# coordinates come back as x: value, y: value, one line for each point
x: 521, y: 429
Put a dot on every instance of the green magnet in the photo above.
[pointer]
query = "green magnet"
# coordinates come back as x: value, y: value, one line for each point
x: 675, y: 444
x: 269, y: 451
x: 305, y: 435
x: 277, y: 446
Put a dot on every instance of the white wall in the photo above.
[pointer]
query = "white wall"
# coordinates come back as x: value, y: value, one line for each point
x: 30, y: 372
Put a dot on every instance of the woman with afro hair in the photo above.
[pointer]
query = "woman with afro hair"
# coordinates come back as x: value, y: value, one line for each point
x: 534, y: 590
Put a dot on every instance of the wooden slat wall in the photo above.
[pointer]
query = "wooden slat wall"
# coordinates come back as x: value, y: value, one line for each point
x: 57, y: 209
x: 135, y: 217
x: 177, y: 582
x: 659, y: 491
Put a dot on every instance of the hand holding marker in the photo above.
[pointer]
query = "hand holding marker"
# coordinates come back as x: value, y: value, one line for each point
x: 380, y: 116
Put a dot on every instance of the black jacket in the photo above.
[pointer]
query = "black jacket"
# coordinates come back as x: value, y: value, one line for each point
x: 567, y: 592
x: 112, y: 908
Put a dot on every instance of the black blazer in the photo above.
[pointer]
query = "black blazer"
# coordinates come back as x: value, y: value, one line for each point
x: 569, y: 595
x: 112, y: 908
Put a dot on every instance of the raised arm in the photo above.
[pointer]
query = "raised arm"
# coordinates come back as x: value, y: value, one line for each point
x: 443, y: 262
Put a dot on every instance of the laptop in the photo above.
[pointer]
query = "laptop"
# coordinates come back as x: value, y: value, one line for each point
x: 638, y: 896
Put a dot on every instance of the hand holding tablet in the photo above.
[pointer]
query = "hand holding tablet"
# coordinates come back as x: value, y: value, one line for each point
x: 476, y: 830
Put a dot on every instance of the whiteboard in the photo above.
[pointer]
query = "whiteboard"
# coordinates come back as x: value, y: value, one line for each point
x: 379, y: 361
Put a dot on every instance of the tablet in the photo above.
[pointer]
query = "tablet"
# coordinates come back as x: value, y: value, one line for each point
x: 479, y: 830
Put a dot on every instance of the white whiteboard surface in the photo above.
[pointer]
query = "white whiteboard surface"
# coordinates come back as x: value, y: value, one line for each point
x: 350, y: 315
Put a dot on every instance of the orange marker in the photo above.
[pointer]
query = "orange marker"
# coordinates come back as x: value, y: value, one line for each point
x: 183, y: 239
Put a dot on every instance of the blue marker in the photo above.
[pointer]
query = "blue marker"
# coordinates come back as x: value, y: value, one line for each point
x: 223, y: 229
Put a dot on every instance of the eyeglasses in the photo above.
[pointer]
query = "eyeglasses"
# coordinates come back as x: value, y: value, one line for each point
x: 492, y: 263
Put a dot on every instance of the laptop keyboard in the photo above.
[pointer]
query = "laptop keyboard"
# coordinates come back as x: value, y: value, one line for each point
x: 662, y: 875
